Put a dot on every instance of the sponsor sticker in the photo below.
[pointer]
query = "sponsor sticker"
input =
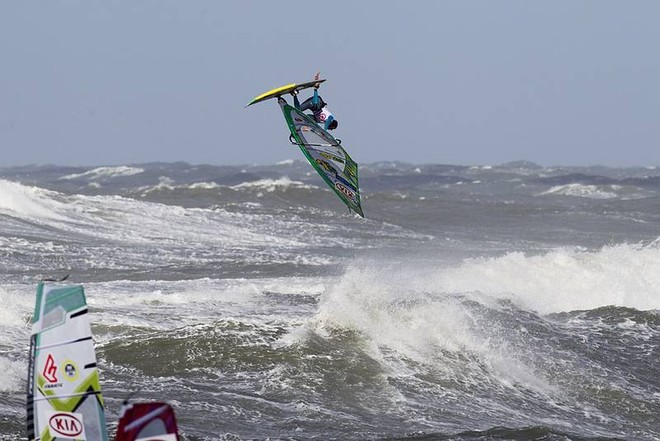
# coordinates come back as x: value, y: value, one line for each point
x: 50, y: 369
x: 342, y: 188
x: 70, y: 370
x: 67, y: 425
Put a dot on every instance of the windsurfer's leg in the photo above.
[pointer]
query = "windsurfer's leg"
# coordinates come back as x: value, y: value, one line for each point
x: 306, y: 105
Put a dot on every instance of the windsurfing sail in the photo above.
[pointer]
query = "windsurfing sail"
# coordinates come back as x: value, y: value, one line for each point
x: 152, y: 421
x: 326, y: 155
x: 64, y: 399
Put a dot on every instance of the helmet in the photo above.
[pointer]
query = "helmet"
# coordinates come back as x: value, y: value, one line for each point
x: 333, y: 124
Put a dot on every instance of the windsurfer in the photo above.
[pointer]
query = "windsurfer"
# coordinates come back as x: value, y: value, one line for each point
x: 315, y: 103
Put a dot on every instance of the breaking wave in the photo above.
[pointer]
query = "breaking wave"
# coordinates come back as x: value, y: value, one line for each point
x: 584, y: 191
x: 106, y: 172
x: 271, y: 185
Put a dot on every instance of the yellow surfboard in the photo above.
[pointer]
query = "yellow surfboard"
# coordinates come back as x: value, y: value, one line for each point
x: 283, y: 90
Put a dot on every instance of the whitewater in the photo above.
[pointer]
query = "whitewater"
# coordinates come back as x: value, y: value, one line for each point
x: 508, y: 301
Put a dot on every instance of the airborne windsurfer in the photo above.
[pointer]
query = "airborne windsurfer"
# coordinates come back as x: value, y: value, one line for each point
x: 310, y: 134
x: 315, y: 103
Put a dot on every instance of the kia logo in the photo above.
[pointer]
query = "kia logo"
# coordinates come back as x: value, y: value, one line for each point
x: 65, y: 424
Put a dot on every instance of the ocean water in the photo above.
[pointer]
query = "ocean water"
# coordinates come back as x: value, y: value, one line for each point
x: 493, y: 302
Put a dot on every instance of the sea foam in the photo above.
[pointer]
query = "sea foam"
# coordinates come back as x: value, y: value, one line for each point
x: 26, y: 201
x: 584, y: 191
x: 106, y: 172
x: 564, y: 279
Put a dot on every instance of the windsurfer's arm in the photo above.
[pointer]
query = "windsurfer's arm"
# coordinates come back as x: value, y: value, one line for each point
x: 315, y: 98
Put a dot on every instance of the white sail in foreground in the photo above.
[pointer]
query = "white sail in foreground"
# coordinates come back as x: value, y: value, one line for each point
x: 64, y: 399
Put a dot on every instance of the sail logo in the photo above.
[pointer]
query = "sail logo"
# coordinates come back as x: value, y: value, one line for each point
x: 332, y: 157
x: 50, y: 369
x: 344, y: 190
x: 66, y: 425
x: 70, y: 370
x: 327, y: 167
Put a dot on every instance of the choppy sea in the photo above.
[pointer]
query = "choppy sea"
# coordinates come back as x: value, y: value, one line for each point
x: 472, y: 303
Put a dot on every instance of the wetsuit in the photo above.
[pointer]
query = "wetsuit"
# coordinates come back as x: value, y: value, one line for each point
x: 316, y: 104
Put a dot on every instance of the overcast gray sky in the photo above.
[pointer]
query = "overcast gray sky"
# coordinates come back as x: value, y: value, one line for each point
x: 86, y: 82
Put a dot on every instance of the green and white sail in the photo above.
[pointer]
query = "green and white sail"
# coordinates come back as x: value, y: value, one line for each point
x: 64, y: 399
x: 326, y: 155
